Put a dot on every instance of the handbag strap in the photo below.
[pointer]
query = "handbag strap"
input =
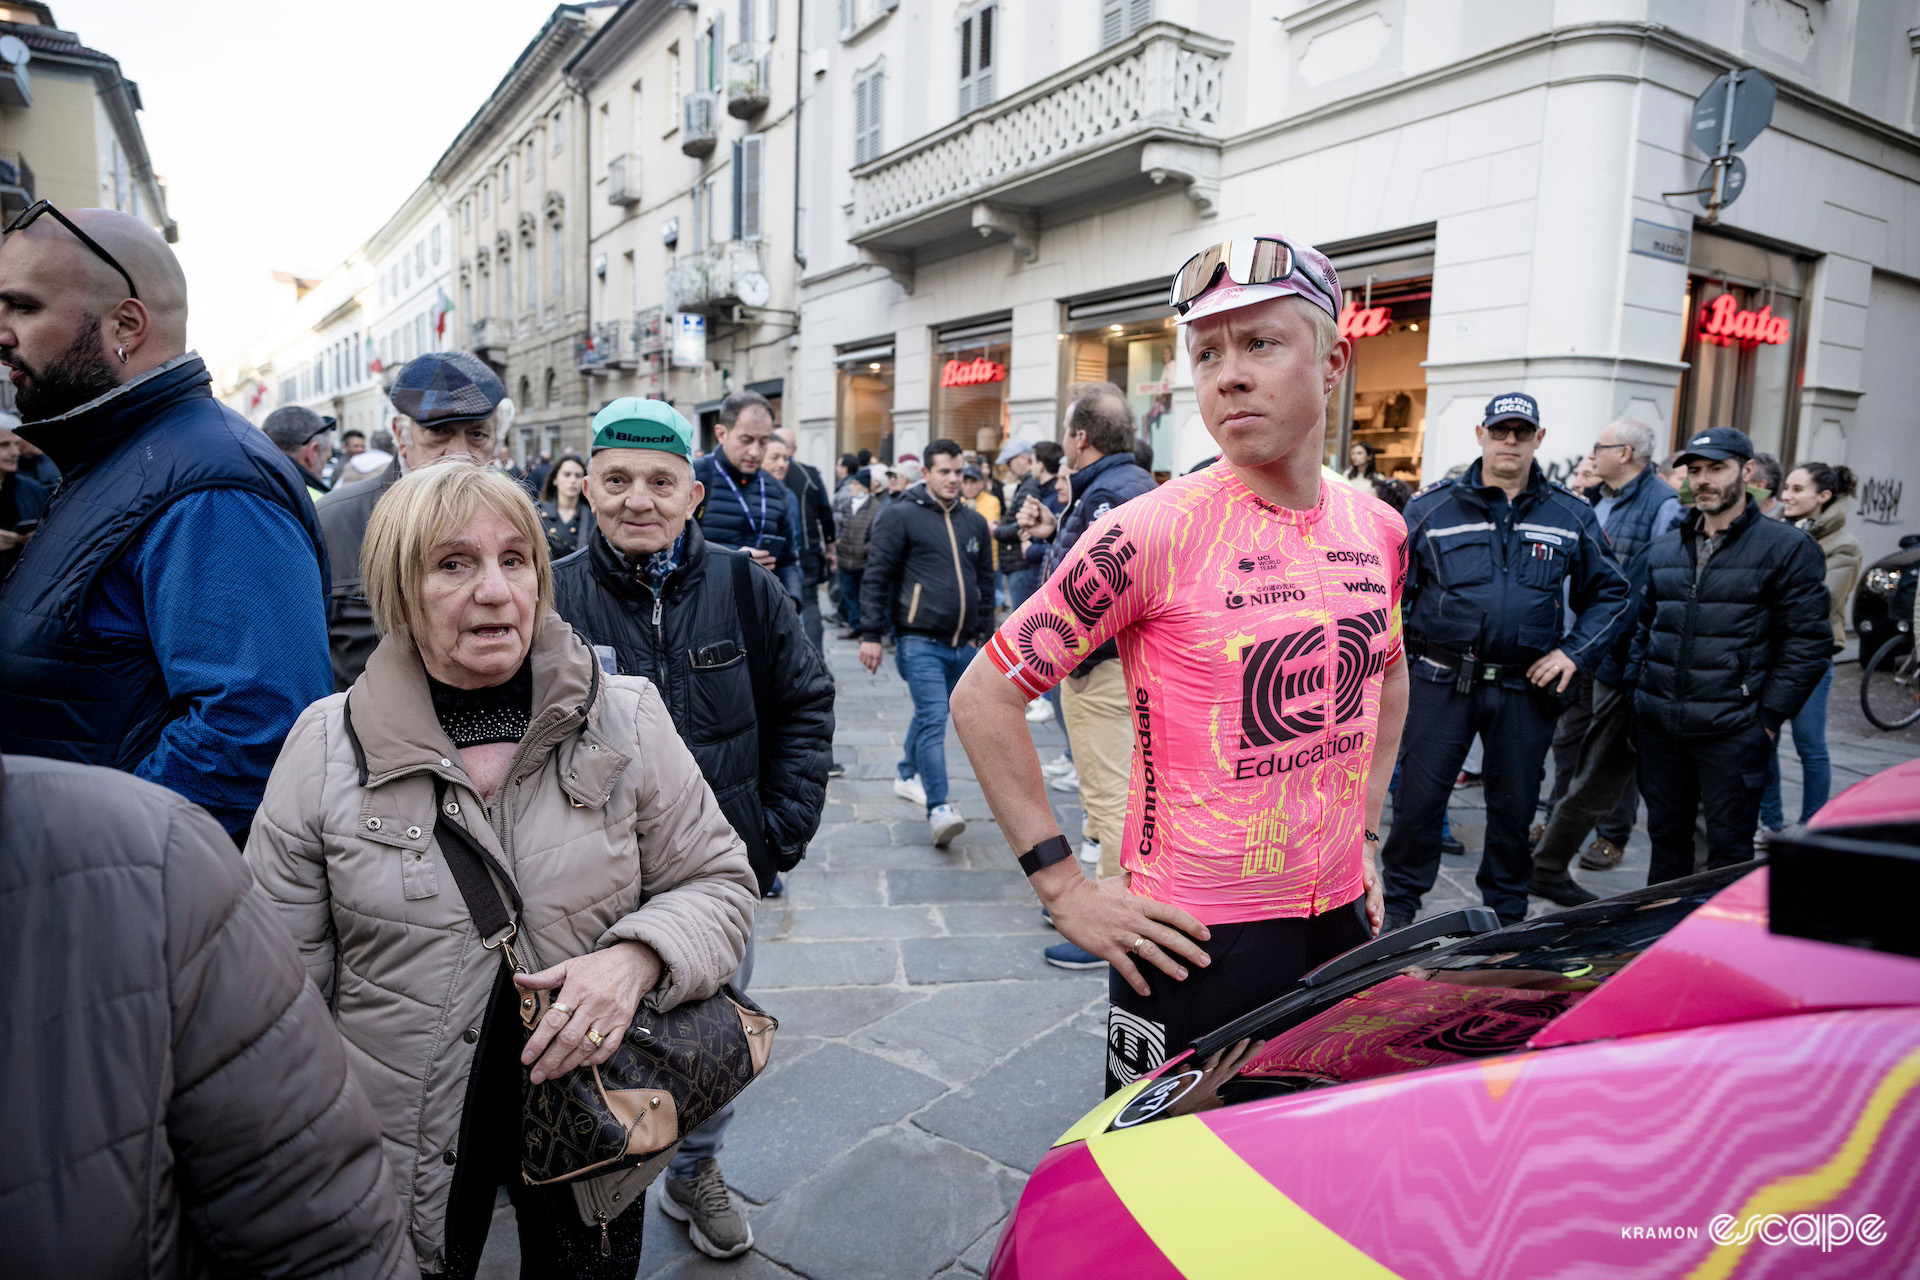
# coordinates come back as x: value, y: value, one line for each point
x: 753, y: 629
x: 473, y: 870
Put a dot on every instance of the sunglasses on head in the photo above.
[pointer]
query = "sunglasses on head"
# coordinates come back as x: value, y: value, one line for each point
x: 1255, y: 260
x: 1521, y: 431
x: 30, y: 214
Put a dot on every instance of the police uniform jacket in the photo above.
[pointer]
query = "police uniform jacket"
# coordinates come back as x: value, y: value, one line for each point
x: 1487, y: 576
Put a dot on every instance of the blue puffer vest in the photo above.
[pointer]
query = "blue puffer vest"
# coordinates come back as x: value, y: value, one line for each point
x: 64, y: 691
x: 1629, y: 526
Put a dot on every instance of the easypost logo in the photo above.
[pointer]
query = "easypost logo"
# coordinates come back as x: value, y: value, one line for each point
x: 1825, y: 1231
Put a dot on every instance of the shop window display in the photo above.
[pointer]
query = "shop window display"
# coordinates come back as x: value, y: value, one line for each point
x: 1140, y: 359
x: 1383, y: 402
x: 866, y: 407
x: 970, y: 393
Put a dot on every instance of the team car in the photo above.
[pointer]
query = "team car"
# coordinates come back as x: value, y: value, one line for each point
x: 1715, y: 1076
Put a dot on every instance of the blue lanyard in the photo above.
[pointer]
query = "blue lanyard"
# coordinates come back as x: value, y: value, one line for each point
x: 745, y: 510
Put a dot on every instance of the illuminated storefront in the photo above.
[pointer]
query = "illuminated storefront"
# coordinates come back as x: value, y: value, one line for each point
x: 865, y: 400
x: 970, y: 383
x: 1383, y: 400
x: 1742, y: 348
x: 1127, y: 338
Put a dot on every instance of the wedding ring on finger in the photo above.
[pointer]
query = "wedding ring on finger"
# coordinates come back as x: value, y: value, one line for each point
x: 1139, y: 944
x: 562, y: 1009
x: 595, y: 1036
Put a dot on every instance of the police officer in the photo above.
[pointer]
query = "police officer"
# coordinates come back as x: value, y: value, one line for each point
x: 1490, y: 557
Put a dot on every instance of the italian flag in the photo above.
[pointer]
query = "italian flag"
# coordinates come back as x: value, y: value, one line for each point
x: 373, y: 356
x: 440, y: 308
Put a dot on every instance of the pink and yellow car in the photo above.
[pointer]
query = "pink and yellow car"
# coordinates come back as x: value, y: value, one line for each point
x: 1718, y: 1076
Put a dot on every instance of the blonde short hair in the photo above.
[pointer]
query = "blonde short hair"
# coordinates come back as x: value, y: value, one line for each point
x: 426, y: 508
x: 1326, y: 330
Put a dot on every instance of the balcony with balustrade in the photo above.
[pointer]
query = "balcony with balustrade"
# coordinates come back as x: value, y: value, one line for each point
x: 1110, y: 128
x: 697, y: 125
x: 607, y: 347
x: 623, y: 180
x: 749, y: 82
x: 489, y: 338
x: 708, y: 281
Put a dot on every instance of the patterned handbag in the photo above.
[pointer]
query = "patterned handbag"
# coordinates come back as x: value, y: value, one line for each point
x: 672, y: 1071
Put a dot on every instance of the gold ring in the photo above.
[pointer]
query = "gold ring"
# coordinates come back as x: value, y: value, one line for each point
x: 557, y: 1007
x: 1139, y: 943
x: 595, y: 1036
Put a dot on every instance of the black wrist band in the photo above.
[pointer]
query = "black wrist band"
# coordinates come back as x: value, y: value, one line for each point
x: 1045, y: 854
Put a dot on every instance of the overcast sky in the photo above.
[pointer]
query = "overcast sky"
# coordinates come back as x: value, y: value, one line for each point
x: 287, y: 132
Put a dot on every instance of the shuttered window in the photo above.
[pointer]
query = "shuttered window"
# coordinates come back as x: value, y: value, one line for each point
x: 746, y: 22
x: 869, y: 93
x: 846, y: 18
x: 1121, y: 18
x: 749, y: 185
x: 976, y: 59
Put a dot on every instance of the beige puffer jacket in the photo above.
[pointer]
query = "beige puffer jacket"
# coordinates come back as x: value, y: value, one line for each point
x: 1844, y: 556
x: 601, y: 803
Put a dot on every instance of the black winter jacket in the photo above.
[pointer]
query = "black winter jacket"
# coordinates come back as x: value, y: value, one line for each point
x: 929, y: 569
x: 176, y: 1100
x: 1746, y: 640
x: 813, y: 513
x: 1110, y: 481
x: 691, y: 644
x: 750, y: 511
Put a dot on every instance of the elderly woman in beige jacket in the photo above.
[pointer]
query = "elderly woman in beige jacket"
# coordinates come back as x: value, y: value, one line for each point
x: 634, y: 888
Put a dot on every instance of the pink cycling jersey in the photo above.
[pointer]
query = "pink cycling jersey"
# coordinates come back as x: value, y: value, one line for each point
x: 1254, y: 639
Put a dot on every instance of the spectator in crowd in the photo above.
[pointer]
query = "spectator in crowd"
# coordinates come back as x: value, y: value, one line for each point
x: 35, y: 465
x: 368, y: 463
x: 813, y: 517
x: 1143, y: 454
x: 1584, y: 477
x: 1040, y: 464
x: 451, y: 405
x: 651, y: 592
x: 1674, y: 472
x: 1764, y: 479
x: 1594, y: 758
x: 1733, y: 636
x: 929, y: 574
x: 902, y: 476
x: 743, y: 507
x: 539, y: 468
x: 481, y: 718
x: 168, y: 616
x: 1812, y: 501
x: 1095, y: 707
x: 1395, y: 493
x: 563, y: 516
x: 843, y: 468
x: 305, y: 437
x: 1360, y: 461
x: 861, y: 500
x: 974, y: 491
x: 352, y: 441
x: 22, y: 501
x: 1494, y: 557
x: 176, y: 1099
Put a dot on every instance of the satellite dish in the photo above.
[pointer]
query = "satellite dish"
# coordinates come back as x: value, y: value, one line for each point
x: 14, y: 51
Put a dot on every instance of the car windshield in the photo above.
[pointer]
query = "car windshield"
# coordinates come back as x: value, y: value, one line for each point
x: 1471, y: 998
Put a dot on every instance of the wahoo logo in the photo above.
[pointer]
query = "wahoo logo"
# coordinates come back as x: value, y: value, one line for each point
x: 1094, y: 583
x: 1366, y: 587
x: 1283, y: 692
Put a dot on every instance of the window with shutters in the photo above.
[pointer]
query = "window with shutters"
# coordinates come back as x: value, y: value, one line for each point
x: 746, y: 22
x: 846, y: 18
x: 699, y: 216
x: 1121, y: 18
x: 976, y: 59
x: 749, y: 185
x: 672, y: 104
x: 558, y: 250
x: 869, y: 96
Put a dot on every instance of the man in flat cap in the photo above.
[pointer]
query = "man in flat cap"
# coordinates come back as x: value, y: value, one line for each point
x: 449, y: 406
x: 305, y: 437
x: 167, y: 618
x: 718, y: 636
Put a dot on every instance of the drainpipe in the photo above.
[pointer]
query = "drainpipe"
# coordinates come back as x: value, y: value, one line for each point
x: 799, y: 97
x: 586, y: 227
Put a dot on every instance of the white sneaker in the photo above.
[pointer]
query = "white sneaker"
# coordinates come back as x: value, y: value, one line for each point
x: 1058, y: 765
x: 1090, y: 852
x: 1039, y: 711
x: 946, y: 823
x: 1069, y: 780
x: 910, y: 789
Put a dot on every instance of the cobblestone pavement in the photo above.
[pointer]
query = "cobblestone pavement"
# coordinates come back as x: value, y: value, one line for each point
x: 927, y: 1056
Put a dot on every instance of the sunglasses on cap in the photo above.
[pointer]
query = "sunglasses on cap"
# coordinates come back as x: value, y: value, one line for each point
x: 30, y: 214
x: 1254, y: 260
x: 1510, y: 430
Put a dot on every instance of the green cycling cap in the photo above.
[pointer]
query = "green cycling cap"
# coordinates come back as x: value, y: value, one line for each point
x: 634, y: 423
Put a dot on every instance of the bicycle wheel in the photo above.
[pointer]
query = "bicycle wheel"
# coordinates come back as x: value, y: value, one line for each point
x: 1890, y: 686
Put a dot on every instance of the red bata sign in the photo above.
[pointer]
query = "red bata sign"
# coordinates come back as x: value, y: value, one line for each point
x: 1722, y: 322
x: 1358, y: 322
x: 971, y: 373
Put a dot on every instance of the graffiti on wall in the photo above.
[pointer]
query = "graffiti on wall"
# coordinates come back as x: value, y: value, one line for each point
x: 1560, y: 470
x: 1880, y: 501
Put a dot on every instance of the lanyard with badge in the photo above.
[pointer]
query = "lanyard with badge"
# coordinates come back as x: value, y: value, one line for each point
x: 757, y: 528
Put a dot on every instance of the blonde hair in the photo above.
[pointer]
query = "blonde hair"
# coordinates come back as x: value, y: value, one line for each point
x: 426, y: 508
x: 1326, y: 330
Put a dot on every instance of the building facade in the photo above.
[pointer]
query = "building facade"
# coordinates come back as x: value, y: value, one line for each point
x: 515, y: 183
x: 996, y: 193
x: 408, y: 301
x: 694, y: 282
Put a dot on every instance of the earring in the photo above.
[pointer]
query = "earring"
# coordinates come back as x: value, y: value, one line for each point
x: 122, y: 353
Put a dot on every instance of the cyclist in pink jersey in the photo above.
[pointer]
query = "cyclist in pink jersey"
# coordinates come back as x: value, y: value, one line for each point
x: 1256, y: 609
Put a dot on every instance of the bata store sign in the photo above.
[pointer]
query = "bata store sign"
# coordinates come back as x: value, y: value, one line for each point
x: 1723, y: 323
x: 972, y: 373
x: 1364, y: 322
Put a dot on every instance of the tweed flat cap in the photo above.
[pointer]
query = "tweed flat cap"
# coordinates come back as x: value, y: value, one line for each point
x: 443, y: 389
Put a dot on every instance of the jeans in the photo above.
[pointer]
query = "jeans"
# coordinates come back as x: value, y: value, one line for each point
x: 1021, y: 584
x: 850, y: 596
x: 707, y: 1139
x: 931, y: 670
x: 1721, y: 778
x: 1816, y: 767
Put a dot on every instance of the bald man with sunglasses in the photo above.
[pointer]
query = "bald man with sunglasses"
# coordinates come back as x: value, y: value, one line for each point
x: 1491, y: 557
x: 168, y: 618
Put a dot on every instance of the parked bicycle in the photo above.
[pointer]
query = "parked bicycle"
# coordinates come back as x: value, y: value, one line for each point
x: 1890, y: 685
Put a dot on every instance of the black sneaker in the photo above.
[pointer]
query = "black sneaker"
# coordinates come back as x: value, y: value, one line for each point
x: 1565, y: 893
x: 836, y: 770
x: 1453, y: 848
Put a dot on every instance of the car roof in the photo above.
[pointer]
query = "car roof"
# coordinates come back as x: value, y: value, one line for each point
x: 1890, y: 796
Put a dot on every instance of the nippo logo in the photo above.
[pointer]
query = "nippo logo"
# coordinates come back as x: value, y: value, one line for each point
x: 1825, y: 1231
x: 971, y: 373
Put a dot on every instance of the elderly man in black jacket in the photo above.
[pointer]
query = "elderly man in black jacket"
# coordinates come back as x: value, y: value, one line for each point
x: 175, y: 1097
x: 1732, y: 637
x: 720, y: 638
